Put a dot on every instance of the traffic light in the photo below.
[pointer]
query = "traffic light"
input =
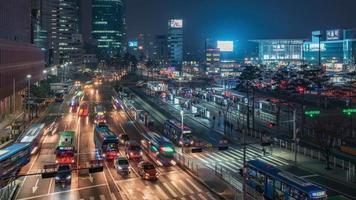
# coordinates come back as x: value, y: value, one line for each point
x: 312, y: 113
x: 349, y: 111
x: 271, y: 125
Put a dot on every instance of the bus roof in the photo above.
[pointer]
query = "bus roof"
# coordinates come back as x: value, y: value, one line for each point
x: 286, y: 177
x: 12, y: 150
x: 105, y: 132
x: 178, y: 125
x: 63, y: 136
x: 32, y: 132
x: 157, y: 139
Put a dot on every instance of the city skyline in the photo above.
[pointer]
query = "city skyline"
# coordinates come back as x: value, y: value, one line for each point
x: 233, y: 20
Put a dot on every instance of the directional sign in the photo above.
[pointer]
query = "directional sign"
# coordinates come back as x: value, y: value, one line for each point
x: 312, y: 113
x: 349, y: 111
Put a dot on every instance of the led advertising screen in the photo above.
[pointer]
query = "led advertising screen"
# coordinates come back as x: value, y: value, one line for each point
x: 133, y: 43
x: 333, y: 34
x: 176, y: 23
x: 225, y: 46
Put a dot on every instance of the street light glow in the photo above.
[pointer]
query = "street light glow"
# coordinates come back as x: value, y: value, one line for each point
x: 29, y: 76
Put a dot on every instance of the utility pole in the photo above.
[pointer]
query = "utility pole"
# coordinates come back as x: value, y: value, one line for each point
x: 295, y: 136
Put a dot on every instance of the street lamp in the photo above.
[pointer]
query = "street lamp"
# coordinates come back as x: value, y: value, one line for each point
x: 295, y: 139
x: 182, y: 128
x: 28, y: 76
x: 45, y: 73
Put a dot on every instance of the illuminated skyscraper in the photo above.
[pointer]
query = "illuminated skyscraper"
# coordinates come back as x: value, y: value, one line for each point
x: 108, y: 26
x: 175, y: 42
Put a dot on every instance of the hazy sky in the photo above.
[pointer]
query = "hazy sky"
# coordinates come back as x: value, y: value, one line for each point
x: 240, y: 19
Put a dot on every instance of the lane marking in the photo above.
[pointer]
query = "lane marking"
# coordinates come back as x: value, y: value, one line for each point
x: 194, y: 185
x: 186, y: 187
x: 170, y: 190
x: 161, y: 192
x: 309, y: 176
x: 201, y: 196
x: 178, y: 188
x: 66, y: 191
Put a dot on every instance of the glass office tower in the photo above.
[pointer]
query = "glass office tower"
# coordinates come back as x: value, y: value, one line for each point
x: 108, y: 26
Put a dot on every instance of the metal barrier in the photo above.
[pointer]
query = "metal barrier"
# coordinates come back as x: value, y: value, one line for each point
x: 8, y: 191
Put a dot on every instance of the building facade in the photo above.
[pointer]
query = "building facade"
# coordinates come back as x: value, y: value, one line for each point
x: 280, y: 51
x: 175, y: 43
x: 18, y: 58
x: 334, y: 49
x: 109, y: 26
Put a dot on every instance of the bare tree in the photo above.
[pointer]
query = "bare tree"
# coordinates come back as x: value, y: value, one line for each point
x: 327, y: 131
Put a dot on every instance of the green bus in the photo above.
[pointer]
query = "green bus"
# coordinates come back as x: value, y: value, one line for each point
x: 66, y: 148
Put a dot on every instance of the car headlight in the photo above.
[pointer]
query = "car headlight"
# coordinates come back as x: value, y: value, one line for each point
x: 57, y: 178
x: 69, y: 177
x: 119, y: 167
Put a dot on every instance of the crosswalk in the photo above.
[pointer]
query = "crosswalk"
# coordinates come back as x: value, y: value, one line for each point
x: 164, y: 189
x: 232, y: 159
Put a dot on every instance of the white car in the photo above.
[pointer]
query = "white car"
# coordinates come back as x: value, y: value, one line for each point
x: 122, y: 165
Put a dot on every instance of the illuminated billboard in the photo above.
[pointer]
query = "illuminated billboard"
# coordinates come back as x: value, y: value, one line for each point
x: 175, y: 23
x: 133, y: 43
x: 225, y: 46
x: 333, y: 34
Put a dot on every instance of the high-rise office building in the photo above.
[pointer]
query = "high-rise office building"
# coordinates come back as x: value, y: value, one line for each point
x: 69, y: 45
x: 175, y: 42
x: 109, y: 26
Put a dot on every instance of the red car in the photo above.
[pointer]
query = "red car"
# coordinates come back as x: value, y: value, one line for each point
x: 147, y: 170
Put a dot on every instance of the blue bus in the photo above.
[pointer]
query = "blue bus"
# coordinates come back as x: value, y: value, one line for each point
x: 173, y: 130
x: 33, y: 136
x: 12, y: 158
x: 106, y: 141
x: 270, y: 182
x: 159, y: 148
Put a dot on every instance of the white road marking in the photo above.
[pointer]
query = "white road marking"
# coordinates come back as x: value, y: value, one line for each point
x: 176, y: 186
x: 186, y: 187
x: 61, y: 192
x: 102, y: 197
x: 201, y: 196
x: 161, y: 192
x: 194, y: 185
x: 170, y: 190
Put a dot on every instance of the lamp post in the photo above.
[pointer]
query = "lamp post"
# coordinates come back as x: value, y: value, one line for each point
x: 295, y: 138
x: 29, y: 76
x: 45, y: 73
x: 182, y: 129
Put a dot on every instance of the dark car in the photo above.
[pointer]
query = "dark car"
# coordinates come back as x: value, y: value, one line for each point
x: 147, y: 170
x: 64, y: 174
x: 124, y: 138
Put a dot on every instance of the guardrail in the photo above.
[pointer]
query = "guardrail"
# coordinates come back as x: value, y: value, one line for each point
x: 8, y: 191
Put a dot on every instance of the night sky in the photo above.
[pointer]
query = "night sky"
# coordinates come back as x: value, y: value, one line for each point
x: 239, y: 19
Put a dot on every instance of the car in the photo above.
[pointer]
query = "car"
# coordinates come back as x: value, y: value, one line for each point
x: 133, y: 150
x: 122, y: 165
x: 63, y: 174
x: 147, y: 170
x: 123, y: 138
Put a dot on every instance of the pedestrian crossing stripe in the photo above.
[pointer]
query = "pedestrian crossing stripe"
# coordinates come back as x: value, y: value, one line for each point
x: 161, y: 192
x: 194, y: 185
x: 178, y: 188
x: 170, y: 190
x: 185, y: 187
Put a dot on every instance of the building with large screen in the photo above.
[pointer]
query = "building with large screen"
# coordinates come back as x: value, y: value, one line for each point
x: 108, y: 26
x: 280, y: 51
x: 334, y: 49
x: 175, y: 42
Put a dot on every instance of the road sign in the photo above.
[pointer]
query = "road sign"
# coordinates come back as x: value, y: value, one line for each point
x: 349, y: 111
x: 312, y: 113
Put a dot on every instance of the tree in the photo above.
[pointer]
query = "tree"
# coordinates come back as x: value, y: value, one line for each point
x: 247, y: 81
x: 327, y: 129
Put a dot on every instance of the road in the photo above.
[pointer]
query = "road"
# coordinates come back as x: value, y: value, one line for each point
x: 173, y: 182
x: 231, y: 160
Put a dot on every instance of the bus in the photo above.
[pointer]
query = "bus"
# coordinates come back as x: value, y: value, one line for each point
x: 173, y: 130
x: 270, y: 182
x: 106, y: 141
x: 83, y: 110
x: 33, y: 136
x: 99, y: 109
x: 116, y: 103
x: 66, y: 148
x: 74, y: 104
x: 12, y: 158
x: 159, y: 148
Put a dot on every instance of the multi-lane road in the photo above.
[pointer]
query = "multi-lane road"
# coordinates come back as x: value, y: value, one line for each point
x: 173, y: 182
